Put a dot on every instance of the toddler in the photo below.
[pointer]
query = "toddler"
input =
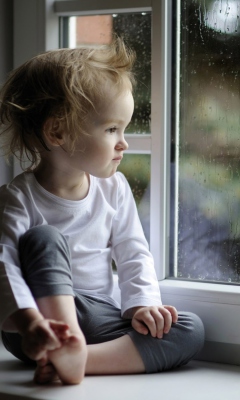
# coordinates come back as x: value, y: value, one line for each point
x: 65, y: 218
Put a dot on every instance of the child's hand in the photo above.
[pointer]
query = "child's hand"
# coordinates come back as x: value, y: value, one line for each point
x: 42, y: 336
x: 156, y: 319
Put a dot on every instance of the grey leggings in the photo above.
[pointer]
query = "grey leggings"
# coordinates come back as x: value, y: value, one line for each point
x: 46, y: 265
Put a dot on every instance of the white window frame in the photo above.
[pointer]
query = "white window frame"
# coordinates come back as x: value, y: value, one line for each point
x: 36, y: 30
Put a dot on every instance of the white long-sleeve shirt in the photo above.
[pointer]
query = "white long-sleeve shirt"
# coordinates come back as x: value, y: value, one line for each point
x: 101, y: 227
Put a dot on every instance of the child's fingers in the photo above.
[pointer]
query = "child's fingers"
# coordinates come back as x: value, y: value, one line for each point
x: 154, y: 321
x: 157, y: 320
x: 167, y: 318
x: 170, y: 315
x: 46, y: 336
x: 139, y: 326
x: 34, y: 350
x: 58, y: 325
x: 60, y: 329
x: 151, y: 320
x: 173, y: 312
x: 39, y: 340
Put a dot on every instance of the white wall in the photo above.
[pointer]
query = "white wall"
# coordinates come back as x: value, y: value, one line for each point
x: 6, y: 64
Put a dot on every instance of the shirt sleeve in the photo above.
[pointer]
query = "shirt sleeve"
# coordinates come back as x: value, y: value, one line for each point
x: 14, y: 221
x: 136, y: 273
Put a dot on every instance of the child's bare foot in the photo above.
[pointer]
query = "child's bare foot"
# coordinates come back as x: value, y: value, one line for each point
x: 69, y: 360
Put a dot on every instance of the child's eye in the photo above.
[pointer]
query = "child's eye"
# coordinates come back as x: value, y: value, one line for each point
x: 111, y: 130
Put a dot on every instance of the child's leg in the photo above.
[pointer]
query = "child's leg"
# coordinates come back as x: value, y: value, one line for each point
x: 126, y: 351
x: 69, y: 361
x: 183, y: 342
x: 45, y: 262
x: 118, y: 356
x: 136, y: 353
x: 121, y: 353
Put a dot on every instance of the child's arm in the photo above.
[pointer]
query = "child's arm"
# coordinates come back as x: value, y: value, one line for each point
x: 140, y: 293
x: 157, y: 319
x: 39, y: 335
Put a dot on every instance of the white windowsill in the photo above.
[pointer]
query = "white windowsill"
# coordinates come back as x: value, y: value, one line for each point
x: 16, y: 384
x: 218, y: 306
x: 202, y: 291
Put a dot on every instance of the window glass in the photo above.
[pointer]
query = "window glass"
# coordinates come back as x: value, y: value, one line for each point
x: 136, y: 168
x: 205, y: 218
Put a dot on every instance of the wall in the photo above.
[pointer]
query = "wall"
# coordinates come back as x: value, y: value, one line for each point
x: 6, y: 64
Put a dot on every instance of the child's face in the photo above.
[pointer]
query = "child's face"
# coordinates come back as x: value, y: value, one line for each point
x: 105, y: 144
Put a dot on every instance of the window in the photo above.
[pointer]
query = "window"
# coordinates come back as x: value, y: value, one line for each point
x: 37, y: 25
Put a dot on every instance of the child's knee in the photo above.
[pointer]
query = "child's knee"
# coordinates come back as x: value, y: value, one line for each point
x: 39, y: 234
x: 183, y: 342
x: 193, y: 332
x: 42, y: 239
x: 45, y: 261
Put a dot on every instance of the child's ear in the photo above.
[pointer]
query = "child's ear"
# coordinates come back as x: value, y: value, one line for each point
x: 53, y: 132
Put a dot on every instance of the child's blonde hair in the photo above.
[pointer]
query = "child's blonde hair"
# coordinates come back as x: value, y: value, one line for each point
x: 65, y: 84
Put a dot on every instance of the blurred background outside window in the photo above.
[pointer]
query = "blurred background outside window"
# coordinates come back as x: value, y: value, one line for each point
x: 205, y: 219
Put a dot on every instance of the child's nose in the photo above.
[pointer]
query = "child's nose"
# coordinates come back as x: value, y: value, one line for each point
x: 122, y: 144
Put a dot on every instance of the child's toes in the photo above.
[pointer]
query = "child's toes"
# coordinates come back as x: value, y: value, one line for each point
x: 74, y: 341
x: 45, y: 374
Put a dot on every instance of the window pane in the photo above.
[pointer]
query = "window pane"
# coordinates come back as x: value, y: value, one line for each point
x: 136, y: 168
x: 136, y: 31
x: 207, y: 167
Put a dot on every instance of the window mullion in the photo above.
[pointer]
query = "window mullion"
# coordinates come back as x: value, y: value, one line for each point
x: 177, y: 135
x: 139, y: 144
x: 160, y: 159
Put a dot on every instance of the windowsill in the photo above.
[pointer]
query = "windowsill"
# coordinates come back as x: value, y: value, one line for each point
x: 16, y: 384
x: 201, y: 291
x: 218, y: 305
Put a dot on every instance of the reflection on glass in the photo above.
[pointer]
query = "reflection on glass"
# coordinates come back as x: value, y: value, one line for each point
x: 223, y: 16
x: 209, y: 142
x: 136, y: 31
